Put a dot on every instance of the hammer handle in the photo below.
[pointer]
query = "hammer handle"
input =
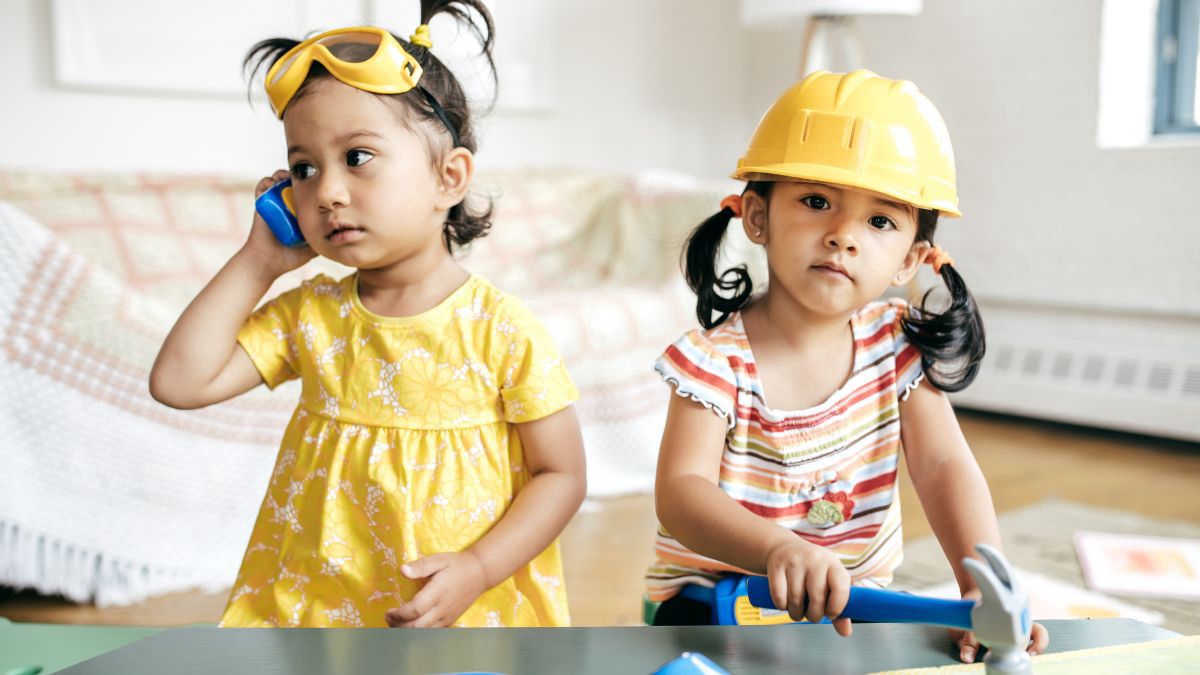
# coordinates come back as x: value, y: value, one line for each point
x: 880, y: 606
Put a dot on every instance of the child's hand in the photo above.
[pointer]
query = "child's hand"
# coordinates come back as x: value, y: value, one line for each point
x: 455, y: 580
x: 810, y: 582
x: 269, y: 255
x: 968, y: 646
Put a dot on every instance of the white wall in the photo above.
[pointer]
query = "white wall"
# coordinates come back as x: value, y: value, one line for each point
x: 1050, y: 219
x: 636, y: 84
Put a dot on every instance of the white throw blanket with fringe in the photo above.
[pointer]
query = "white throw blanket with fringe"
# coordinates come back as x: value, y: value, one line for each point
x: 104, y: 494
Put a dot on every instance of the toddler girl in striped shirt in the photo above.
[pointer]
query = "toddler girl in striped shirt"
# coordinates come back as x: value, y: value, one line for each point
x: 781, y: 448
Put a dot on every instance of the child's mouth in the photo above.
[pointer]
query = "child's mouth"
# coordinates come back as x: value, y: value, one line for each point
x: 343, y: 233
x: 832, y: 270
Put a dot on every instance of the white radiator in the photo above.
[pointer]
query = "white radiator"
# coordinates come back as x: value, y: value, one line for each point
x: 1138, y: 373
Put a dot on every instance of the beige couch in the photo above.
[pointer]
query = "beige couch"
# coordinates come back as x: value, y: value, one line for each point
x: 106, y: 495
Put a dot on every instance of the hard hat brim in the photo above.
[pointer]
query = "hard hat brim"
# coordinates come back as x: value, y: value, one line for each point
x: 820, y: 173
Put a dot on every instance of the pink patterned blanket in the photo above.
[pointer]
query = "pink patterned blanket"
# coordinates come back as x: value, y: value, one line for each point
x: 108, y: 496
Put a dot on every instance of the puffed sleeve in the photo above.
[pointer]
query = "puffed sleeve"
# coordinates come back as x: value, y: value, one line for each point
x: 909, y: 371
x: 269, y: 337
x: 534, y: 382
x: 699, y: 371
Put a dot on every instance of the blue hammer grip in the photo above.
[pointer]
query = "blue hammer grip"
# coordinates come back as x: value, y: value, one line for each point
x: 880, y: 606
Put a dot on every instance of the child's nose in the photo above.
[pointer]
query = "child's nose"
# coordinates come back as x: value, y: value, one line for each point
x: 841, y: 235
x: 332, y: 192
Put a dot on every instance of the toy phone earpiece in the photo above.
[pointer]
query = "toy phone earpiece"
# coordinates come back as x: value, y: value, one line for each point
x: 275, y: 207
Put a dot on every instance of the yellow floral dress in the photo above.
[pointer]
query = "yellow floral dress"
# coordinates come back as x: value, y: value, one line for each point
x: 402, y: 446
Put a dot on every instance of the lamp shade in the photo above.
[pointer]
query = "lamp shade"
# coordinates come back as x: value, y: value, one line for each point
x: 773, y: 12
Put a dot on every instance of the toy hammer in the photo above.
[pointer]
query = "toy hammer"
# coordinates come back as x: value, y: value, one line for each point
x: 1000, y: 619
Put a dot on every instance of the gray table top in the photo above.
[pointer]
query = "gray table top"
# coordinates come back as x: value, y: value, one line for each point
x: 741, y: 650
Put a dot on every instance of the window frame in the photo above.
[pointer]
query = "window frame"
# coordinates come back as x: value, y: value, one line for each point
x: 1176, y: 77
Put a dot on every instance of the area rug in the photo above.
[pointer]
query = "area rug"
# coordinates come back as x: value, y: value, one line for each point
x: 1038, y: 540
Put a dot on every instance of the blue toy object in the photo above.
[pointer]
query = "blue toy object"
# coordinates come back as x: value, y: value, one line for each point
x: 275, y: 207
x: 730, y: 604
x: 690, y: 663
x: 880, y: 606
x: 1000, y: 619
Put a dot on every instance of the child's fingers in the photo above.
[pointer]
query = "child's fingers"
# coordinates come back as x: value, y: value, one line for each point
x: 837, y: 594
x: 843, y: 627
x: 968, y: 647
x: 777, y: 584
x: 424, y: 567
x: 817, y: 590
x: 427, y: 620
x: 398, y: 616
x: 1039, y: 639
x: 795, y: 593
x: 266, y: 183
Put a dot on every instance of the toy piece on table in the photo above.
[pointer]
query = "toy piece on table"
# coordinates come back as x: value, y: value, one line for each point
x: 1000, y: 620
x: 690, y: 663
x: 279, y: 212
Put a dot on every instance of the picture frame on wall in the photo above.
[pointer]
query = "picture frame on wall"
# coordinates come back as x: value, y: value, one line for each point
x: 196, y: 49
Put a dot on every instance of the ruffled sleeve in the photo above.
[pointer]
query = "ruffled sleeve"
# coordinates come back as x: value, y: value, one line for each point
x: 534, y: 382
x: 699, y: 371
x: 269, y: 337
x: 909, y: 371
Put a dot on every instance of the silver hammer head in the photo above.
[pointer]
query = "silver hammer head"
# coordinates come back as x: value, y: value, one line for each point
x: 1000, y: 620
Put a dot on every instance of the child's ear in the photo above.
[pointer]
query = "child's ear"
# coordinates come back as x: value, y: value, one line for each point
x: 912, y: 263
x: 754, y: 216
x: 457, y: 168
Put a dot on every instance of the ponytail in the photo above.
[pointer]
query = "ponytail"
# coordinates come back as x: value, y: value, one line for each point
x: 730, y: 291
x: 951, y: 342
x: 465, y: 221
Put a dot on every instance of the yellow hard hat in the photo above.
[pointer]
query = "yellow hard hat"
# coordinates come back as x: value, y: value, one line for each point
x: 860, y: 130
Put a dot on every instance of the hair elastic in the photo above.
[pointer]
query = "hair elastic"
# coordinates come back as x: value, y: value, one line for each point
x: 733, y: 203
x: 937, y: 257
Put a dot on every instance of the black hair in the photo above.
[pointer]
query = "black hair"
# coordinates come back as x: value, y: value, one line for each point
x: 729, y: 292
x: 951, y: 342
x: 441, y: 104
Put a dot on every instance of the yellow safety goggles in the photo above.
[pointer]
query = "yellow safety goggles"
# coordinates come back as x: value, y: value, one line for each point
x: 364, y: 57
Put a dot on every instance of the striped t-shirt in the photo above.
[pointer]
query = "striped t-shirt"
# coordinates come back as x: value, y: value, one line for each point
x: 827, y: 473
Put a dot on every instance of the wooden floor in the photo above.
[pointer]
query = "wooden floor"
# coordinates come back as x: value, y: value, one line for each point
x: 607, y: 545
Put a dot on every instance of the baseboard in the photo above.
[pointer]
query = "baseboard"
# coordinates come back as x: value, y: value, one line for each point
x: 1136, y: 373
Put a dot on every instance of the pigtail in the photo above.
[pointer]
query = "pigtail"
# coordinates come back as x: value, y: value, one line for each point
x: 951, y: 342
x: 465, y: 221
x: 730, y: 291
x: 462, y: 11
x: 700, y: 268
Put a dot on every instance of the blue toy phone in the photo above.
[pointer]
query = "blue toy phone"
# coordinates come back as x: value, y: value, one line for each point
x: 277, y: 210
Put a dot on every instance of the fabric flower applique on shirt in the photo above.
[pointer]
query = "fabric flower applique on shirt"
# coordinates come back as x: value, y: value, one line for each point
x: 835, y: 506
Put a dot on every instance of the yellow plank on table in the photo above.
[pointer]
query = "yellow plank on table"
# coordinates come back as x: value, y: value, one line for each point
x: 1177, y: 655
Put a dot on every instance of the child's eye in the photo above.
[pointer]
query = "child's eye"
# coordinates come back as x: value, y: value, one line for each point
x: 816, y: 202
x: 882, y: 223
x: 358, y: 157
x: 303, y: 170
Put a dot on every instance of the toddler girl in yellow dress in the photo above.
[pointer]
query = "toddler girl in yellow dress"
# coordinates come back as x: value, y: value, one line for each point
x: 434, y: 456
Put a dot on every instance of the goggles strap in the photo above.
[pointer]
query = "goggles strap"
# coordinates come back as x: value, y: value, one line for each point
x: 441, y: 115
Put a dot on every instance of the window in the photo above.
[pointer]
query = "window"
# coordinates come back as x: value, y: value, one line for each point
x: 1177, y: 104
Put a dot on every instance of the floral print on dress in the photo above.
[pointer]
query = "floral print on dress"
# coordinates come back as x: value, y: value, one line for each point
x: 402, y: 446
